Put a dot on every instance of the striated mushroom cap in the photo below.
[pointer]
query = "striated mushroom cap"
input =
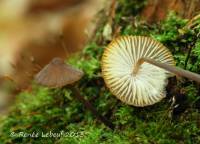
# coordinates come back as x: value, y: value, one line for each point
x: 58, y: 74
x: 119, y: 61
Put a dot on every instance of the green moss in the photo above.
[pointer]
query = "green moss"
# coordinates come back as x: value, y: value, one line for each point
x: 43, y: 110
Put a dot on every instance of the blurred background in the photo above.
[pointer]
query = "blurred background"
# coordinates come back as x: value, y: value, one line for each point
x: 32, y: 32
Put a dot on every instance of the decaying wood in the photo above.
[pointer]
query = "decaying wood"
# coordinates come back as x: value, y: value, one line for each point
x: 157, y: 10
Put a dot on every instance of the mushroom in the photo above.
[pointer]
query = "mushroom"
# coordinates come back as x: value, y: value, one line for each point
x: 136, y: 68
x: 58, y: 74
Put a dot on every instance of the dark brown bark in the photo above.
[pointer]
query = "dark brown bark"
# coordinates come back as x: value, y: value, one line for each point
x: 157, y: 10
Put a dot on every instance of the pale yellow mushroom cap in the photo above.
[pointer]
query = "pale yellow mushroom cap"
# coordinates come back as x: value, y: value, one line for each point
x: 119, y: 60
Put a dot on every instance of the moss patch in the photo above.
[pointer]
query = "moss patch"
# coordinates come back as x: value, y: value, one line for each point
x: 46, y: 111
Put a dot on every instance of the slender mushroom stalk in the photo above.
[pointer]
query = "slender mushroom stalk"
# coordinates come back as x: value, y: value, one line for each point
x: 136, y: 69
x: 91, y: 108
x: 172, y: 69
x: 57, y: 74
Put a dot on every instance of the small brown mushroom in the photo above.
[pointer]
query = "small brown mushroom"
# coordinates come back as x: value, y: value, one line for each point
x: 57, y: 74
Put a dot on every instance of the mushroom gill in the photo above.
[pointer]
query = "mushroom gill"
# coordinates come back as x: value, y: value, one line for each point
x: 136, y: 68
x: 131, y: 82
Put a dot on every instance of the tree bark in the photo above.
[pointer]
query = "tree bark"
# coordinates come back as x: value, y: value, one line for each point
x: 157, y: 10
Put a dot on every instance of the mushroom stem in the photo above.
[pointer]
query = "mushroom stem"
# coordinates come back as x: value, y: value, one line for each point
x: 170, y: 68
x: 89, y: 106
